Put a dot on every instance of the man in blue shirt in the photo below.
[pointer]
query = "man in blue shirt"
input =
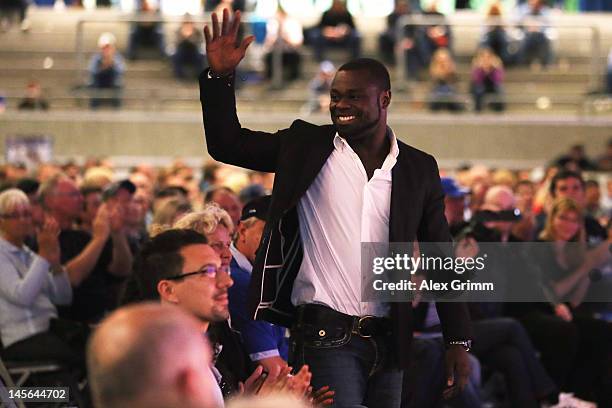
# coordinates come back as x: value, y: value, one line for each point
x: 265, y: 342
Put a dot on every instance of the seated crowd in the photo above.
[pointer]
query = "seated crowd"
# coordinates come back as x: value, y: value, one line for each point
x: 422, y: 40
x: 77, y: 246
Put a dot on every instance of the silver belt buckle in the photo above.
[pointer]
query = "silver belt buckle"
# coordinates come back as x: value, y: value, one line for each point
x: 358, y: 330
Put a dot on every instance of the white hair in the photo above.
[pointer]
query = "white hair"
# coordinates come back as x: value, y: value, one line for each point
x: 12, y: 198
x: 206, y: 221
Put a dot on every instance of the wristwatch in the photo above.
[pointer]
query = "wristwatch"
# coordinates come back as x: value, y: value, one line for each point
x: 212, y: 75
x: 466, y: 344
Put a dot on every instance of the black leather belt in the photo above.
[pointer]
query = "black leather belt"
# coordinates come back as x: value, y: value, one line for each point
x: 325, y: 319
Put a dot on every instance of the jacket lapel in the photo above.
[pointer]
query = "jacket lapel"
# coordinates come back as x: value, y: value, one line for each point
x: 401, y: 185
x: 318, y: 149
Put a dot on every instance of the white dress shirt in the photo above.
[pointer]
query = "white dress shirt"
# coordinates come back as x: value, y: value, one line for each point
x: 340, y: 210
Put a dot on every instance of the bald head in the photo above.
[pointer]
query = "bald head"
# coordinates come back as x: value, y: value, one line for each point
x: 148, y: 355
x: 499, y: 198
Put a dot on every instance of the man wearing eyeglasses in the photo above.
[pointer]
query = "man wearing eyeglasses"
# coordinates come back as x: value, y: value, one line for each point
x: 178, y: 267
x: 94, y: 260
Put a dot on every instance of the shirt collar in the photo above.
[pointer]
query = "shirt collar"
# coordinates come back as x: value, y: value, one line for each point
x: 240, y: 259
x: 7, y: 246
x: 340, y: 144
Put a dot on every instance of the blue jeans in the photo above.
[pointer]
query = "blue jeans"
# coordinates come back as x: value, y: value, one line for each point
x: 504, y: 344
x: 356, y: 371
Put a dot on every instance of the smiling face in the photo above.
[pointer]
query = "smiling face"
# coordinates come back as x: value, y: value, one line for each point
x: 16, y: 223
x: 358, y: 106
x: 566, y: 225
x: 201, y: 295
x: 219, y: 240
x: 570, y: 187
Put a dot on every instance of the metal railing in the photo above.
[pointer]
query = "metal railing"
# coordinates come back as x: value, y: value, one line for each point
x: 419, y: 20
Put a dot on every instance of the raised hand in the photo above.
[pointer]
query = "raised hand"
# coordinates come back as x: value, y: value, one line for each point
x: 101, y: 225
x: 221, y: 50
x: 48, y: 243
x: 116, y: 217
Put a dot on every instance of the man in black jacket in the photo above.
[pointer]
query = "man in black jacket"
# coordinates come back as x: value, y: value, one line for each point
x: 335, y: 187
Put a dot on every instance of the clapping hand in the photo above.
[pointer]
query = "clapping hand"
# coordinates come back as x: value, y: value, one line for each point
x: 101, y: 225
x: 221, y: 50
x: 48, y: 243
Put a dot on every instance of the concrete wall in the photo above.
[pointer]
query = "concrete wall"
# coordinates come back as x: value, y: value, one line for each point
x: 132, y: 136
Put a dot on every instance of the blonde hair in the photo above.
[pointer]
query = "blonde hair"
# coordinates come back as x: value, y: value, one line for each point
x: 559, y: 206
x: 206, y: 221
x: 442, y: 65
x: 574, y: 254
x: 98, y: 177
x: 12, y: 198
x: 504, y: 177
x: 166, y: 215
x: 496, y: 62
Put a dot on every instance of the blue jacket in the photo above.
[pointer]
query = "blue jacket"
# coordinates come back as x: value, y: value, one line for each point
x: 261, y: 339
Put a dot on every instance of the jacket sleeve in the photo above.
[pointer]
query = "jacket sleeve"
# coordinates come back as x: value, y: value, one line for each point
x: 227, y: 141
x: 454, y: 316
x: 22, y: 291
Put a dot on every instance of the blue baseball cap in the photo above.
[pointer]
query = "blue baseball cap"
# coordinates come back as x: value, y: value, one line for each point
x: 452, y: 189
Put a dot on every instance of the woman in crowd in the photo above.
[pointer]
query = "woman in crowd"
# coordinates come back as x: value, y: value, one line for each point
x: 216, y: 225
x: 487, y: 79
x: 564, y: 267
x: 443, y: 75
x: 30, y: 286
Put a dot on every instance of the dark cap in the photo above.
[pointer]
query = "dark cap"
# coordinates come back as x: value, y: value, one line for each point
x: 256, y: 208
x: 112, y: 189
x: 451, y: 188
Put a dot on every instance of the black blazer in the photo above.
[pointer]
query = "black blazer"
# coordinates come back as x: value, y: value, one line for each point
x: 296, y: 155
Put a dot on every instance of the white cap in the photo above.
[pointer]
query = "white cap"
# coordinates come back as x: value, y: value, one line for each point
x: 106, y: 39
x: 327, y: 67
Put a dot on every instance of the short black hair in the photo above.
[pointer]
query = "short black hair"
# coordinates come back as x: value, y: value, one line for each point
x: 210, y: 193
x: 564, y: 175
x: 86, y: 190
x: 591, y: 183
x: 376, y: 70
x: 173, y: 191
x: 160, y: 259
x: 28, y: 185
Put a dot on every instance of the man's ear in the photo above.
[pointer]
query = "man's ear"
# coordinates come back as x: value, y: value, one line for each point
x: 166, y: 291
x: 386, y: 99
x: 240, y: 231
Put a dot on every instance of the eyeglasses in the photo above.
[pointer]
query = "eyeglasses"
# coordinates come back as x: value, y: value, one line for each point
x: 219, y: 246
x: 210, y: 271
x: 17, y: 215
